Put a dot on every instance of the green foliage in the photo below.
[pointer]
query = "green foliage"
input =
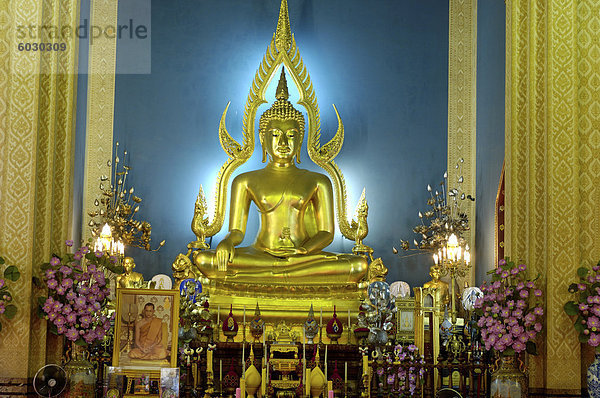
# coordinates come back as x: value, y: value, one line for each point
x: 582, y: 272
x: 10, y: 311
x: 12, y: 273
x: 531, y: 348
x: 571, y: 308
x: 1, y: 260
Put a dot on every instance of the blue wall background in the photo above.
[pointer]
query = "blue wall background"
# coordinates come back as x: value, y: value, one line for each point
x: 490, y: 125
x: 384, y: 65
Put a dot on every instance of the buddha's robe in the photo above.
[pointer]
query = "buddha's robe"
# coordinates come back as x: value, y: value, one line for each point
x: 150, y: 340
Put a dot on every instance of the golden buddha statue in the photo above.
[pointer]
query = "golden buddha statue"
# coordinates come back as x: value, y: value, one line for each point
x: 129, y: 278
x: 442, y: 290
x: 296, y: 210
x: 299, y: 209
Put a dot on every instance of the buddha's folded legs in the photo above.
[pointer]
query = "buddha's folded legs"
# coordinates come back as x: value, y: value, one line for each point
x: 253, y: 266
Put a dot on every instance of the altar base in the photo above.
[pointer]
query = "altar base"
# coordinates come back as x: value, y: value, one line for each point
x: 289, y: 304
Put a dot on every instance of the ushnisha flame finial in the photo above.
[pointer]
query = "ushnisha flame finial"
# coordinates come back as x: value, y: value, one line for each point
x: 282, y: 90
x: 283, y: 33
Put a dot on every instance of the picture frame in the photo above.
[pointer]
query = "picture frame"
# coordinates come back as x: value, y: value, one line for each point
x: 146, y: 331
x: 405, y: 320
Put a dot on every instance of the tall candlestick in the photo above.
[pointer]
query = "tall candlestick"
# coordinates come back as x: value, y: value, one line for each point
x: 303, y: 354
x: 243, y: 360
x: 345, y: 372
x: 218, y: 315
x: 321, y: 317
x: 325, y: 362
x: 244, y: 315
x: 209, y: 361
x: 220, y: 370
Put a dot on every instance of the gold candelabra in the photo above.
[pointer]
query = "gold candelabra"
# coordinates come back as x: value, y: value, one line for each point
x: 453, y: 260
x: 115, y: 212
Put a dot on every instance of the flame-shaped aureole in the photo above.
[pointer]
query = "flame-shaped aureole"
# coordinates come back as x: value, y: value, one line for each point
x: 281, y: 51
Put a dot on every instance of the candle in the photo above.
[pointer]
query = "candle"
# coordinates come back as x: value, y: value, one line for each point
x: 349, y: 325
x: 243, y: 388
x: 238, y: 393
x: 321, y: 318
x: 209, y: 361
x: 365, y: 365
x: 220, y: 370
x: 345, y: 372
x: 218, y: 314
x: 244, y: 315
x: 330, y: 389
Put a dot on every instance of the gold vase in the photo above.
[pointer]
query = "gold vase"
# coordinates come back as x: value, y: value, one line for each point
x: 81, y: 374
x: 509, y: 379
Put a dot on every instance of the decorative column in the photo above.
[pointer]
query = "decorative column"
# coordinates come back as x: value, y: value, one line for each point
x: 100, y: 106
x: 462, y: 112
x: 37, y: 97
x: 553, y: 164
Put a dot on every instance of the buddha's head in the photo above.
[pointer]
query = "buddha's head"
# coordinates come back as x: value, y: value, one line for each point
x: 281, y: 127
x: 128, y: 265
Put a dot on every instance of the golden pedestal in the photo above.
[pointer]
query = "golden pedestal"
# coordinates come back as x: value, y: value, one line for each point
x: 290, y: 304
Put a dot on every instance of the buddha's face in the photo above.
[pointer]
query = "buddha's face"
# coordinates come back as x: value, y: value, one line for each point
x: 282, y: 140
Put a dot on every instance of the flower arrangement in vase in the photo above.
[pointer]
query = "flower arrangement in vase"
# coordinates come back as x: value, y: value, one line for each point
x: 76, y: 305
x: 510, y: 310
x: 510, y: 318
x: 7, y: 308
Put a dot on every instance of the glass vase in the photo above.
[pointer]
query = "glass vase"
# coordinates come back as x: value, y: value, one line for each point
x: 593, y: 378
x: 509, y: 379
x: 80, y: 373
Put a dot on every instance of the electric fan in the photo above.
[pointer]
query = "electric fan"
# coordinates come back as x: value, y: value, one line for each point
x: 50, y: 381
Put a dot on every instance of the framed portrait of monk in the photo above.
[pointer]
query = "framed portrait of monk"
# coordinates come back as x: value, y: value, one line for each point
x: 146, y: 326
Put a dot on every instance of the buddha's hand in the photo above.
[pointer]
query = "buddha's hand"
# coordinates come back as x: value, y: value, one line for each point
x: 224, y: 254
x: 287, y: 252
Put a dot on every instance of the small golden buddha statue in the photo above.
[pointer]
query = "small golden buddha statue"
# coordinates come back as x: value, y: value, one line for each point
x: 296, y: 213
x: 130, y: 278
x: 442, y: 294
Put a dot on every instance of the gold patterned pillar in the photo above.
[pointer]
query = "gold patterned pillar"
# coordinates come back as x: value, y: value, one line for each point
x: 36, y: 136
x: 100, y: 105
x: 553, y: 163
x: 462, y: 99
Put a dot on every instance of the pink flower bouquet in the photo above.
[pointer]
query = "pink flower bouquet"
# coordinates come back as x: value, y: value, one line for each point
x: 77, y: 295
x: 510, y: 311
x: 587, y: 305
